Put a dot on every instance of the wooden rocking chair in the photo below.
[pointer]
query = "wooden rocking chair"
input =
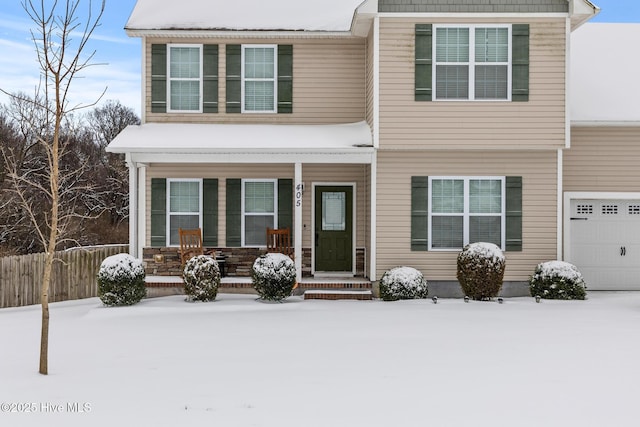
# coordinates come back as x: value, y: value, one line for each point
x: 190, y: 244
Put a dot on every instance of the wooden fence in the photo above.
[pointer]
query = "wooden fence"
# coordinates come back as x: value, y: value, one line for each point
x: 74, y: 275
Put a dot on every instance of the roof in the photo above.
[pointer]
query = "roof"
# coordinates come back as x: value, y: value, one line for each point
x: 281, y: 15
x: 603, y: 80
x: 261, y: 143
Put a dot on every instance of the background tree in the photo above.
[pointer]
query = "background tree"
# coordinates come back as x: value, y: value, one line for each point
x: 60, y: 40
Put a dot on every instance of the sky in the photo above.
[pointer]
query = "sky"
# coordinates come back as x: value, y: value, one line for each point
x: 119, y: 55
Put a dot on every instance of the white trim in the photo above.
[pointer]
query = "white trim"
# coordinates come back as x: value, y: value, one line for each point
x: 168, y: 207
x: 559, y: 209
x: 170, y: 79
x: 365, y: 156
x: 376, y: 83
x: 298, y: 186
x: 143, y: 91
x: 142, y: 207
x: 274, y: 79
x: 373, y: 221
x: 133, y: 206
x: 588, y: 195
x: 567, y: 85
x: 471, y: 62
x: 466, y: 214
x: 603, y: 123
x: 237, y: 34
x: 243, y: 214
x: 353, y: 223
x: 469, y: 15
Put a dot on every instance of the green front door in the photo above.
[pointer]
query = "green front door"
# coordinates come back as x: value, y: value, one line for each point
x: 334, y: 228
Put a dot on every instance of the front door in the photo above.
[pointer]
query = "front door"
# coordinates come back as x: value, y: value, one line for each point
x: 334, y: 228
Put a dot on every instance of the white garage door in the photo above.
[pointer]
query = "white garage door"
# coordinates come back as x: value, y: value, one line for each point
x: 605, y: 243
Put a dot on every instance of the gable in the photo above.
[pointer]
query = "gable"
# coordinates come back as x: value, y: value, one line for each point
x: 473, y: 6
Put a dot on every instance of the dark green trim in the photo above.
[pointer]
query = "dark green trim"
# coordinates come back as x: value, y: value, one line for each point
x: 234, y: 79
x: 158, y: 212
x: 285, y: 79
x: 285, y: 203
x: 513, y: 214
x: 520, y: 63
x: 158, y: 78
x: 423, y: 62
x: 210, y: 212
x: 234, y: 212
x: 419, y: 213
x: 210, y: 78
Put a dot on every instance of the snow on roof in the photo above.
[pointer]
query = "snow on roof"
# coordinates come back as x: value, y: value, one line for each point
x: 603, y: 82
x: 316, y: 15
x: 207, y: 138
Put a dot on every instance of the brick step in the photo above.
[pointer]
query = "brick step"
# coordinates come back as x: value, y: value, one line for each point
x: 338, y: 294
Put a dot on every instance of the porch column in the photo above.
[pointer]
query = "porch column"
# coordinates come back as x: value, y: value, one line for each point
x: 133, y: 206
x: 142, y: 207
x: 297, y: 239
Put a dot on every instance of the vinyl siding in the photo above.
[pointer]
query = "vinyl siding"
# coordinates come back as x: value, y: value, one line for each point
x: 310, y: 174
x: 328, y: 83
x: 395, y: 169
x: 603, y: 159
x: 536, y: 124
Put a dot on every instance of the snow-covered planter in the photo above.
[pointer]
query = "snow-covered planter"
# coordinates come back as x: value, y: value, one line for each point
x: 121, y: 280
x: 481, y: 270
x: 274, y: 276
x: 557, y: 280
x: 403, y: 283
x: 201, y: 277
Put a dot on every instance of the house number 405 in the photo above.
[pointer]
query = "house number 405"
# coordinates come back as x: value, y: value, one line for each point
x: 299, y: 190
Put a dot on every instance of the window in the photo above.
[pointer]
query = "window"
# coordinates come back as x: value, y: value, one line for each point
x: 259, y: 65
x: 466, y: 210
x: 472, y: 63
x: 184, y: 207
x: 185, y: 83
x: 259, y: 210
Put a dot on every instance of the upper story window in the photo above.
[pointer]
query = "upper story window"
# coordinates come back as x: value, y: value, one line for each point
x: 185, y: 78
x: 259, y: 71
x: 472, y: 62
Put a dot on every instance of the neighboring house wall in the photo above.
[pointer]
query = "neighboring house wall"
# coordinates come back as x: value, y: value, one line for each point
x: 328, y: 82
x: 539, y: 123
x: 603, y: 159
x: 538, y: 170
x: 311, y: 173
x: 473, y: 6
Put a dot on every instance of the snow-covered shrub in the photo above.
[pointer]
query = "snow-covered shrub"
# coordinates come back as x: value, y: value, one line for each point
x: 557, y: 280
x: 121, y: 280
x: 201, y: 277
x: 274, y: 276
x: 481, y: 270
x: 403, y: 283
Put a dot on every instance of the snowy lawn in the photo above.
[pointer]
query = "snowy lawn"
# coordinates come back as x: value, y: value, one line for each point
x: 239, y: 362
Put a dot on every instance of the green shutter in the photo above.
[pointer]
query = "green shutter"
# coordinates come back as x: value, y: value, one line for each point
x: 210, y: 212
x: 210, y: 78
x: 285, y: 79
x: 234, y: 78
x: 158, y: 212
x: 520, y: 63
x: 514, y: 213
x: 285, y: 203
x: 158, y: 78
x: 419, y: 213
x: 423, y: 62
x: 234, y: 212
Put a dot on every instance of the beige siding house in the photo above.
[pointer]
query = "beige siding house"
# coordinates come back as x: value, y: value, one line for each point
x: 380, y: 132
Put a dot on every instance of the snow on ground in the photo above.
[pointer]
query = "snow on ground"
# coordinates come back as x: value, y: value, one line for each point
x: 239, y: 362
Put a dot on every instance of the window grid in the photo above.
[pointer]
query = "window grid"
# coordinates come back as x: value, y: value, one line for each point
x: 485, y: 75
x: 185, y: 82
x: 480, y: 218
x: 259, y: 87
x: 259, y: 210
x: 184, y: 207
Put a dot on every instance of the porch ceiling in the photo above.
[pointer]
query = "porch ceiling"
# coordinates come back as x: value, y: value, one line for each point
x: 240, y: 143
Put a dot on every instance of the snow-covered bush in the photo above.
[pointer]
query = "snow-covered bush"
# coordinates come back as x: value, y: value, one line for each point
x: 403, y: 283
x: 121, y: 280
x: 481, y: 270
x: 557, y: 280
x: 274, y: 276
x: 201, y: 277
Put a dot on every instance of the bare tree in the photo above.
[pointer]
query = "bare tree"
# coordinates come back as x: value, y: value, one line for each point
x: 61, y: 58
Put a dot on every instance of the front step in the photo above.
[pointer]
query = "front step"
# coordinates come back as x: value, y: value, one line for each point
x: 334, y: 294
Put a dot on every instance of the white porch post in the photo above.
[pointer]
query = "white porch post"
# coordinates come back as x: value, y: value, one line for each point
x: 133, y: 206
x: 297, y: 239
x: 142, y: 207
